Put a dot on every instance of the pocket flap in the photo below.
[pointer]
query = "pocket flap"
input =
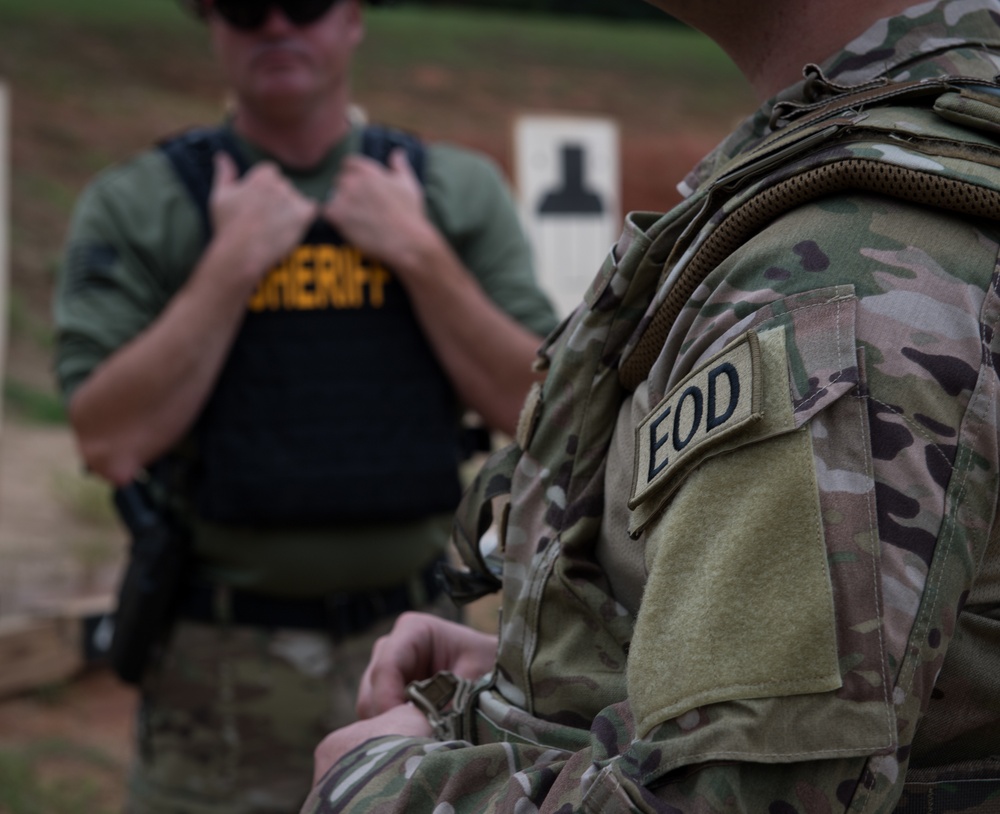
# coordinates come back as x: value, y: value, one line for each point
x: 708, y: 407
x: 768, y: 381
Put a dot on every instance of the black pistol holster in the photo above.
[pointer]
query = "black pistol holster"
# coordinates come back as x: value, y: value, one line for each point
x: 151, y: 586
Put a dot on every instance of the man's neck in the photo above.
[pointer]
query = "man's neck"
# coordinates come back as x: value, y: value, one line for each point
x: 297, y: 140
x: 772, y: 41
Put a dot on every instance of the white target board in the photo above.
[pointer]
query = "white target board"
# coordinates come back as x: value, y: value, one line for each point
x: 4, y: 230
x: 568, y: 178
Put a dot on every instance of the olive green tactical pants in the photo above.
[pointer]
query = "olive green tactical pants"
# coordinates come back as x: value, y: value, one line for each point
x: 230, y: 717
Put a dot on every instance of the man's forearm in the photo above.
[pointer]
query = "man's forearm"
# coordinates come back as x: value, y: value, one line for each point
x: 145, y: 396
x: 487, y: 354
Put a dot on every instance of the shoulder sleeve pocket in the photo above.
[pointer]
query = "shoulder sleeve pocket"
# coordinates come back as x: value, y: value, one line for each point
x: 753, y: 487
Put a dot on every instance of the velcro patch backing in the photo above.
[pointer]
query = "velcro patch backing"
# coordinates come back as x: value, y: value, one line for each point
x: 706, y: 408
x: 738, y: 603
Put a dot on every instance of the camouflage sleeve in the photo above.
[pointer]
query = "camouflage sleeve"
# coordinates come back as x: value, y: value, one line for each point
x: 807, y: 579
x: 840, y: 549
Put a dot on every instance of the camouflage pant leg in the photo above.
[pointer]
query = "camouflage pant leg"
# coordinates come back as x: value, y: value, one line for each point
x: 230, y: 718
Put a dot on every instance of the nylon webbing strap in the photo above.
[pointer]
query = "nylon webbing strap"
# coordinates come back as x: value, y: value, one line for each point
x: 855, y: 175
x: 379, y: 141
x: 877, y: 94
x: 443, y: 699
x: 951, y: 797
x: 191, y: 156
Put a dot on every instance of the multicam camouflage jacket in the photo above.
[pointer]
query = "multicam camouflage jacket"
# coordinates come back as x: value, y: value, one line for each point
x: 749, y: 543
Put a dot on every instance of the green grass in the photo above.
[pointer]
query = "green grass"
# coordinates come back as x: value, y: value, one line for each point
x: 48, y: 189
x: 32, y: 404
x: 24, y: 322
x: 130, y: 11
x: 453, y: 36
x: 24, y: 791
x: 403, y: 34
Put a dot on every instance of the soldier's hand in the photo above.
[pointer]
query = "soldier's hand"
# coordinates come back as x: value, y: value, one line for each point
x: 262, y: 214
x: 419, y: 646
x: 380, y: 209
x: 404, y: 720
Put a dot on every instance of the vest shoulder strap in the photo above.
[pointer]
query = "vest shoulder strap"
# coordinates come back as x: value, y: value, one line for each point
x: 191, y: 155
x: 861, y: 163
x: 378, y: 141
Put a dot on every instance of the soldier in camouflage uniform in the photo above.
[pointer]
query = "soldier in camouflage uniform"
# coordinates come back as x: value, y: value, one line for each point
x: 749, y: 547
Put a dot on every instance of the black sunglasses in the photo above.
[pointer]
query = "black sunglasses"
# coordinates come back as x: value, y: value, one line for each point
x: 251, y: 14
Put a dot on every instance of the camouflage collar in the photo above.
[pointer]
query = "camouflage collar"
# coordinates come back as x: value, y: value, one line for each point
x: 929, y: 40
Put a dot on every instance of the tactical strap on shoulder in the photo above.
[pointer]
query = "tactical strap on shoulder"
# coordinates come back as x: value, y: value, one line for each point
x: 378, y: 141
x: 848, y: 175
x: 831, y: 98
x: 191, y: 154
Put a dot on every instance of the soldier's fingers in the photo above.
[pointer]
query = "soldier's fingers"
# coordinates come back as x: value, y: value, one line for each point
x: 404, y: 655
x: 383, y: 686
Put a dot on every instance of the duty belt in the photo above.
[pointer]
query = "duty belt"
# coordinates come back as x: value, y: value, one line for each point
x: 341, y: 614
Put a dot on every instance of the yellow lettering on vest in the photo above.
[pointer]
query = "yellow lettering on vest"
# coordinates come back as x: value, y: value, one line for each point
x: 259, y: 297
x: 319, y: 277
x: 274, y: 288
x: 267, y: 297
x: 325, y: 273
x: 284, y: 279
x: 377, y: 280
x: 276, y: 281
x: 305, y: 278
x: 288, y: 281
x: 354, y: 278
x: 343, y: 279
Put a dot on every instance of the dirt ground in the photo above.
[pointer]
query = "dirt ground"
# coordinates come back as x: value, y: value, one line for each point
x: 58, y: 540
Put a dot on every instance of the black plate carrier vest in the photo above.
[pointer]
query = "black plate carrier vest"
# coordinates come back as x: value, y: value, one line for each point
x: 331, y: 406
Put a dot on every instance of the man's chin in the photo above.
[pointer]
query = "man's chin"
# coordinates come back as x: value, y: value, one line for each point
x: 281, y: 90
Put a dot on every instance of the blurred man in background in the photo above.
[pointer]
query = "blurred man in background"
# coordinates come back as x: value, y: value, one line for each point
x: 751, y: 555
x: 273, y: 327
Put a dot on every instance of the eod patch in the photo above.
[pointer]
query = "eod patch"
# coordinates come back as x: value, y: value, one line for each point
x: 708, y: 406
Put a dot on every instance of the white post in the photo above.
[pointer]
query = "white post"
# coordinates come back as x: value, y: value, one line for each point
x: 4, y: 231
